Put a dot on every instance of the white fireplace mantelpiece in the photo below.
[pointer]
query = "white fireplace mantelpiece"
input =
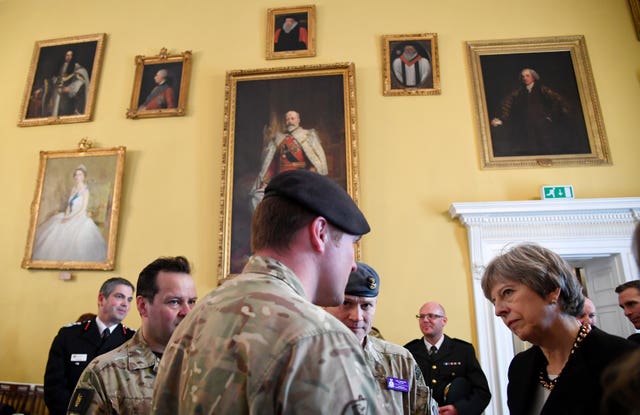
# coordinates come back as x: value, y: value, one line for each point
x: 572, y: 228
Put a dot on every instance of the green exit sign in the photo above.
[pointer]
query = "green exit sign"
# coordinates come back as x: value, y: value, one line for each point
x: 557, y: 192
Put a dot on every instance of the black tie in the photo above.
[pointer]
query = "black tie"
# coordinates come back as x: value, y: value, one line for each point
x: 105, y: 334
x: 433, y: 350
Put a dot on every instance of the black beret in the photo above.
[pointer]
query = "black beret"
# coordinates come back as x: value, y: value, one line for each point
x: 363, y: 282
x: 320, y: 195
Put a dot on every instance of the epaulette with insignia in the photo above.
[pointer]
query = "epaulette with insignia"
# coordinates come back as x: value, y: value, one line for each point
x: 125, y: 329
x: 76, y: 323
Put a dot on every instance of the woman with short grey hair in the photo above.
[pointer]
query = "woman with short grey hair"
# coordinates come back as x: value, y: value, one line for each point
x: 537, y: 296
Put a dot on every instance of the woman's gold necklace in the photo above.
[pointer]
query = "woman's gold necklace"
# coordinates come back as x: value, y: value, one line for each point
x: 543, y: 377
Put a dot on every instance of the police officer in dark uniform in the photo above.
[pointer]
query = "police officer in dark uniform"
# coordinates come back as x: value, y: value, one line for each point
x: 77, y: 344
x: 449, y: 365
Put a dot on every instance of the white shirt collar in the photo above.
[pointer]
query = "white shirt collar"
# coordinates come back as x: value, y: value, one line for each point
x: 438, y: 343
x: 102, y: 326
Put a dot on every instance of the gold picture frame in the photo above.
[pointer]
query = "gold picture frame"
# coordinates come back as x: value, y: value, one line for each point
x: 62, y: 81
x: 561, y: 125
x: 160, y: 85
x: 75, y: 210
x: 411, y: 65
x: 635, y: 15
x: 256, y: 101
x: 298, y: 39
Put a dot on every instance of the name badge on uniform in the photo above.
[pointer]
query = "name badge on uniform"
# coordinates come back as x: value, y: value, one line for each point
x: 79, y: 357
x: 395, y: 384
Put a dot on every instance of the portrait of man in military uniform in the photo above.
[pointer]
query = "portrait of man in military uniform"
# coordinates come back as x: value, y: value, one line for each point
x: 160, y: 86
x: 282, y: 123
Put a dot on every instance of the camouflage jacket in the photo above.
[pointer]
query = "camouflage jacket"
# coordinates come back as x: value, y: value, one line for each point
x: 118, y: 382
x: 387, y: 360
x: 256, y: 345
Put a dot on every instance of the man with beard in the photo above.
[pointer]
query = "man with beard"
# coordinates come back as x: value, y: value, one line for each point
x: 122, y: 380
x: 294, y: 149
x: 291, y: 36
x: 78, y: 343
x: 410, y: 68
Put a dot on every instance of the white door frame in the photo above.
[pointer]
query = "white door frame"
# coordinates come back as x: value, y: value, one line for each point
x: 575, y: 227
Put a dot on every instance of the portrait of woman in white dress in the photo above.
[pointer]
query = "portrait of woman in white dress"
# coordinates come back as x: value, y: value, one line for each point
x: 71, y: 235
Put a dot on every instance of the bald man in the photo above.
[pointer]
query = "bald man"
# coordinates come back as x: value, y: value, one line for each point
x: 449, y: 365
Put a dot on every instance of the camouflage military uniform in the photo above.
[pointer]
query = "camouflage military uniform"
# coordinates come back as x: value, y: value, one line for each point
x: 257, y: 345
x: 390, y: 360
x: 120, y: 381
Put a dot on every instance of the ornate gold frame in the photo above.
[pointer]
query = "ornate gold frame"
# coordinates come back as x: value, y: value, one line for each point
x: 105, y: 170
x: 635, y: 14
x: 255, y: 103
x: 391, y: 85
x: 40, y: 84
x: 532, y: 50
x: 143, y: 78
x: 272, y: 15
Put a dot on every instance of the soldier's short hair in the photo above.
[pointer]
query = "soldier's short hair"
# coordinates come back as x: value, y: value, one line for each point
x: 147, y: 285
x: 275, y: 222
x: 109, y: 285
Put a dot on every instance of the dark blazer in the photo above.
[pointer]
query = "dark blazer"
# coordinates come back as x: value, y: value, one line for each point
x: 635, y: 337
x: 71, y: 351
x: 578, y: 390
x: 455, y: 359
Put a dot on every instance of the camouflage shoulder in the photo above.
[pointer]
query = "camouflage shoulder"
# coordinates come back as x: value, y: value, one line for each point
x: 413, y: 343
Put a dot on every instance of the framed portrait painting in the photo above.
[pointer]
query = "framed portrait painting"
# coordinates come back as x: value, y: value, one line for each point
x: 276, y: 120
x: 74, y: 214
x: 536, y: 103
x: 291, y: 32
x: 62, y: 80
x: 161, y: 85
x: 410, y: 64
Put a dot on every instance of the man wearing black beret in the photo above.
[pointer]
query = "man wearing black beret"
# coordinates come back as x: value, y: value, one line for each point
x: 257, y: 343
x: 397, y: 373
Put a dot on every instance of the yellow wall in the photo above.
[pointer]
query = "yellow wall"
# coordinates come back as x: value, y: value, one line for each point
x: 417, y: 154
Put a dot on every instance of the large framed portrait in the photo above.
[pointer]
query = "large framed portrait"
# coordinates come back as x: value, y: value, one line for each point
x: 410, y: 64
x: 74, y: 214
x: 161, y: 85
x: 276, y: 120
x: 62, y: 81
x: 536, y: 103
x: 291, y: 32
